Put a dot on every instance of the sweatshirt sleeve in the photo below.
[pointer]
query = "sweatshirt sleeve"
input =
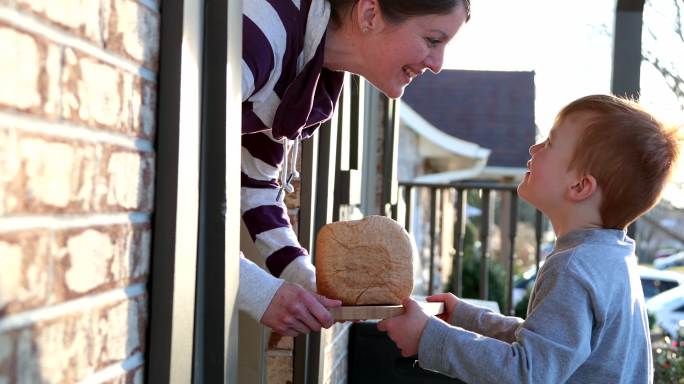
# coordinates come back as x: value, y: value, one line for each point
x: 548, y: 347
x: 256, y: 288
x: 485, y: 322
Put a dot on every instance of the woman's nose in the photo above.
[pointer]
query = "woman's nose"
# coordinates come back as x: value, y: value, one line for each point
x: 435, y: 60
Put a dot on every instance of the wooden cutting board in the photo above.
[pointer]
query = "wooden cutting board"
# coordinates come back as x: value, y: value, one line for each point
x: 368, y: 312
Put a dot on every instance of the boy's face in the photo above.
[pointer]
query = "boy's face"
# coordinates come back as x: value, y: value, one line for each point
x: 548, y: 178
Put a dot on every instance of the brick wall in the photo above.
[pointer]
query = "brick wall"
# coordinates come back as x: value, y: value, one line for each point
x: 77, y: 103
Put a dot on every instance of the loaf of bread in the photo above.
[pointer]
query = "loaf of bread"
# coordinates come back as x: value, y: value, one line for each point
x: 365, y: 262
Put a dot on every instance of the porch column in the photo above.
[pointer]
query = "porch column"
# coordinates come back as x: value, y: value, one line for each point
x: 627, y: 48
x: 627, y: 55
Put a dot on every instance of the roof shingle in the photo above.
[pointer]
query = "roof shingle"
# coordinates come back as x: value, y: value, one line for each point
x: 491, y: 108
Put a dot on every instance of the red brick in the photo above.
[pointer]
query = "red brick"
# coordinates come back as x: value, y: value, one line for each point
x: 25, y: 267
x: 133, y: 32
x: 24, y: 77
x: 279, y: 370
x: 142, y: 102
x: 45, y: 174
x: 79, y: 17
x: 126, y: 181
x: 71, y: 348
x: 98, y: 259
x: 280, y: 342
x: 92, y: 92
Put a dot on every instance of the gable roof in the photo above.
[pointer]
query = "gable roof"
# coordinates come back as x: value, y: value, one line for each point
x: 491, y: 108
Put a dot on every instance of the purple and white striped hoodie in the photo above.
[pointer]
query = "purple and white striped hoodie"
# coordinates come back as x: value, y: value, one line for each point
x: 287, y: 94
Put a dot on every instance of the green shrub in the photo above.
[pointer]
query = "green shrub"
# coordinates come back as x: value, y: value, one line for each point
x: 471, y: 272
x: 521, y: 307
x: 668, y: 362
x: 651, y: 320
x: 471, y: 280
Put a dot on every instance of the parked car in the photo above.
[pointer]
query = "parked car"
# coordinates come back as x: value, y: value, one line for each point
x: 664, y: 252
x: 668, y: 309
x: 676, y: 259
x: 653, y: 282
x: 523, y: 282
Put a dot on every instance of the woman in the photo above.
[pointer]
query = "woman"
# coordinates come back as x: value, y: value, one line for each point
x: 295, y: 53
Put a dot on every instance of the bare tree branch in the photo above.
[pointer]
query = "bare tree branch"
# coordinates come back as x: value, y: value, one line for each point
x: 678, y: 21
x: 674, y: 80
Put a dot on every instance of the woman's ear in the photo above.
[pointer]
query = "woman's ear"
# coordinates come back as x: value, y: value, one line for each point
x: 367, y: 15
x: 583, y: 188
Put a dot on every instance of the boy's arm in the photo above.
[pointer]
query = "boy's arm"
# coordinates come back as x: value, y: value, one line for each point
x: 549, y: 346
x: 485, y: 322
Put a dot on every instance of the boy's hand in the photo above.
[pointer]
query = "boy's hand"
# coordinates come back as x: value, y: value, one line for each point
x: 405, y: 330
x: 449, y: 300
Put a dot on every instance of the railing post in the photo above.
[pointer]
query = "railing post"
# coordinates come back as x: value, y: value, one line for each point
x: 433, y: 233
x: 459, y: 232
x: 537, y: 236
x: 484, y: 244
x: 409, y: 207
x: 459, y: 240
x: 511, y: 257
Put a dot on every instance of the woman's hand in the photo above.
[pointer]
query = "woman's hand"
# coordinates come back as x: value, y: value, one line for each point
x: 294, y: 311
x: 449, y: 300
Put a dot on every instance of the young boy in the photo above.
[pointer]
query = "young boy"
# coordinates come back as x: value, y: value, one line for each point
x: 604, y: 164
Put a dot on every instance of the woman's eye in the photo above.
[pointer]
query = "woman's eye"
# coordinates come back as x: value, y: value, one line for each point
x: 432, y: 42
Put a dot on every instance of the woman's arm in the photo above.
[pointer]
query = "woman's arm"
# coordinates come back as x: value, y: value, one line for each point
x: 265, y: 215
x: 263, y: 61
x: 256, y: 289
x: 285, y: 307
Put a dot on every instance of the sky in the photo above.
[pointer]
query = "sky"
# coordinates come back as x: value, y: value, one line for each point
x: 568, y: 44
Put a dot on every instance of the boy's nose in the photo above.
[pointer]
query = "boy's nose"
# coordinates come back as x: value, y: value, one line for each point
x: 533, y: 149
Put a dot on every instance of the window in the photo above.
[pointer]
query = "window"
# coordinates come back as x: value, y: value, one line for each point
x: 653, y: 287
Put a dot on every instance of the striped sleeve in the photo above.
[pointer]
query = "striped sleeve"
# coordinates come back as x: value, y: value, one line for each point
x: 271, y: 45
x: 265, y: 216
x: 273, y: 33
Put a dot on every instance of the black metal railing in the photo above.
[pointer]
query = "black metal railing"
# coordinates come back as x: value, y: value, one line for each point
x: 459, y: 230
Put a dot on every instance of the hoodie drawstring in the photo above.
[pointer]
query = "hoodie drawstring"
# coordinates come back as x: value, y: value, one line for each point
x: 285, y: 176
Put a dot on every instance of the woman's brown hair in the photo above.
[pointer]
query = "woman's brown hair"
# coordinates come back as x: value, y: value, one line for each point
x: 397, y: 11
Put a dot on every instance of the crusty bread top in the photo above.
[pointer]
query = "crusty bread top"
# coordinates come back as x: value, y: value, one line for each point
x: 364, y: 262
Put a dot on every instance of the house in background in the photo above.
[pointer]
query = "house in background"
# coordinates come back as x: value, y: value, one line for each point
x: 490, y: 110
x: 455, y: 126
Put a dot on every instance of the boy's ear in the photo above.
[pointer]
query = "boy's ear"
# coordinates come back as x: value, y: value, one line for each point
x: 583, y: 188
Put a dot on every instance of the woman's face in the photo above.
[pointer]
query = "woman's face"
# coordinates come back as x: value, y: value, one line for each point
x: 395, y: 54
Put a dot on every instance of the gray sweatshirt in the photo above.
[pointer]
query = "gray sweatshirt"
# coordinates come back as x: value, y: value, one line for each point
x: 586, y: 323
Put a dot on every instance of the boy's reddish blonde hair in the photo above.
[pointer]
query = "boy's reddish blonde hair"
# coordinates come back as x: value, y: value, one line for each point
x: 629, y: 152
